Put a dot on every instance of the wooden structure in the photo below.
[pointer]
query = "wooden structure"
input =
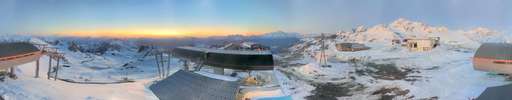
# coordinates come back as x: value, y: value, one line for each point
x: 494, y: 57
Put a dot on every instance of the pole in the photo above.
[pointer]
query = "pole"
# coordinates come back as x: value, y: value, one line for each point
x: 57, y: 70
x: 185, y: 65
x: 49, y: 67
x: 157, y: 64
x: 37, y: 68
x: 162, y: 58
x: 168, y: 63
x: 164, y: 70
x: 11, y: 73
x: 323, y: 56
x: 162, y: 63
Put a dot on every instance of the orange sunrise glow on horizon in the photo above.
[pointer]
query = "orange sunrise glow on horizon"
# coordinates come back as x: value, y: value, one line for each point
x: 255, y: 49
x: 161, y: 32
x: 204, y: 18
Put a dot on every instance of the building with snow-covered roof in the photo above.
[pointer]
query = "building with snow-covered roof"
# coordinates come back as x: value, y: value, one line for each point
x: 494, y: 57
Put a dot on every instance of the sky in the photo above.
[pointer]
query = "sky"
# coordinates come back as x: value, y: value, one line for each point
x: 199, y: 18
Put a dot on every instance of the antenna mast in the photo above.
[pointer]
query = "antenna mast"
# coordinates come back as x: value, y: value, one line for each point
x: 323, y: 56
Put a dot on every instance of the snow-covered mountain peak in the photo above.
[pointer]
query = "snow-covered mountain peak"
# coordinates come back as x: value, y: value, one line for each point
x: 378, y: 33
x: 378, y: 28
x: 35, y: 40
x: 403, y: 28
x: 402, y: 22
x: 483, y: 31
x: 405, y: 25
x: 360, y: 28
x: 280, y: 34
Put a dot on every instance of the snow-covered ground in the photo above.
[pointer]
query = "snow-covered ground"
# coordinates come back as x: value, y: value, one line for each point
x: 26, y: 87
x: 383, y: 72
x: 445, y: 72
x: 117, y: 75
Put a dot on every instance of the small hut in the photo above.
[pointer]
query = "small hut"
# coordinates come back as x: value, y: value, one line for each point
x: 494, y: 57
x: 421, y: 44
x: 352, y: 47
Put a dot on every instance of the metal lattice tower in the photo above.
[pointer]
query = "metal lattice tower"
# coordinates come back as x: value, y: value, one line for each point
x: 53, y: 54
x: 323, y: 56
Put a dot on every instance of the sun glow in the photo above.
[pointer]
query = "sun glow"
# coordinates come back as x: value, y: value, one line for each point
x: 161, y: 32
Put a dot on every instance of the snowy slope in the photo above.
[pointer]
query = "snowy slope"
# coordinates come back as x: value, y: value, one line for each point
x: 382, y: 72
x: 26, y: 87
x: 122, y: 74
x: 403, y: 28
x: 386, y: 71
x: 280, y: 34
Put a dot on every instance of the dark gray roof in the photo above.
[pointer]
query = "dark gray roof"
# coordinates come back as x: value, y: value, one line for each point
x: 184, y: 85
x: 243, y: 60
x: 15, y: 48
x: 502, y: 51
x: 351, y: 45
x: 238, y: 52
x: 497, y: 93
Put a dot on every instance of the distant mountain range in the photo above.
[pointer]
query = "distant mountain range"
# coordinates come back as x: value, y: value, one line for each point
x: 403, y: 28
x: 280, y: 40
